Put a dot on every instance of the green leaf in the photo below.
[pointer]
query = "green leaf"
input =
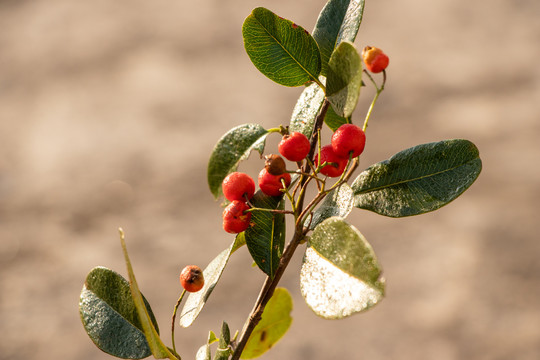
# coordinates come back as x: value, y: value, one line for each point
x: 233, y: 147
x: 339, y: 202
x: 280, y: 49
x: 344, y: 79
x: 224, y: 349
x: 340, y: 274
x: 418, y: 180
x: 109, y: 315
x: 212, y: 273
x: 159, y: 350
x: 266, y: 237
x: 306, y: 109
x: 333, y: 120
x: 276, y: 320
x: 338, y: 21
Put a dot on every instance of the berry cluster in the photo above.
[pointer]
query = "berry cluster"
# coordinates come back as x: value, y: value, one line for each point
x: 239, y: 189
x: 348, y: 142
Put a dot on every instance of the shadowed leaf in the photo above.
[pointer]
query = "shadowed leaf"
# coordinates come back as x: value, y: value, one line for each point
x: 265, y: 237
x: 338, y: 21
x: 109, y: 315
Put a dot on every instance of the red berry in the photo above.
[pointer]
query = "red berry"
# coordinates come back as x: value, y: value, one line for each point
x: 271, y: 184
x: 348, y: 138
x: 275, y: 164
x: 192, y: 278
x: 374, y: 58
x: 238, y: 186
x: 294, y: 147
x: 235, y: 219
x: 328, y: 155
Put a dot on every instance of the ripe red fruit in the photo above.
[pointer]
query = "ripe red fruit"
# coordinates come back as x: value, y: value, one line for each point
x: 328, y: 155
x: 348, y: 138
x: 374, y: 58
x: 192, y: 278
x: 271, y: 184
x: 294, y: 147
x: 235, y: 219
x: 238, y: 186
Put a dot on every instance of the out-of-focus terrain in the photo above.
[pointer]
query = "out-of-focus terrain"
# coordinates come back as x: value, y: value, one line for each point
x: 109, y: 111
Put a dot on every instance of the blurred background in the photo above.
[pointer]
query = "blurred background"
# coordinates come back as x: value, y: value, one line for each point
x: 109, y: 111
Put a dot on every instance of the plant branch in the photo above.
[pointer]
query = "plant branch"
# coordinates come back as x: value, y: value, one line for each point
x: 271, y: 282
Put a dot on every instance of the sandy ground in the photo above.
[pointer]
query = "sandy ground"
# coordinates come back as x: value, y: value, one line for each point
x: 109, y: 111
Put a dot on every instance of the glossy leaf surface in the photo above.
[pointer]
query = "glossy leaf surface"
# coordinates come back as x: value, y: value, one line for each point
x: 280, y: 49
x: 212, y: 273
x: 418, y: 180
x: 109, y: 315
x: 338, y: 21
x: 265, y: 238
x: 159, y: 350
x: 233, y: 147
x: 306, y: 109
x: 339, y: 202
x: 344, y: 79
x: 276, y: 320
x: 340, y: 274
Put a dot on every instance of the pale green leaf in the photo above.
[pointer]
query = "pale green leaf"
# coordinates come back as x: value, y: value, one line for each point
x: 340, y: 274
x: 306, y: 109
x: 276, y: 320
x: 212, y: 273
x: 159, y: 350
x: 344, y: 79
x: 339, y: 202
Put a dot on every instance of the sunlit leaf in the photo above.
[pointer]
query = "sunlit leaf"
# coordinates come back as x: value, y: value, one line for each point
x: 344, y: 79
x: 280, y: 49
x: 339, y: 202
x: 109, y: 315
x: 159, y: 350
x: 230, y: 150
x: 265, y: 237
x: 338, y: 21
x: 306, y: 109
x: 276, y: 320
x: 418, y: 180
x: 340, y: 273
x: 212, y: 273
